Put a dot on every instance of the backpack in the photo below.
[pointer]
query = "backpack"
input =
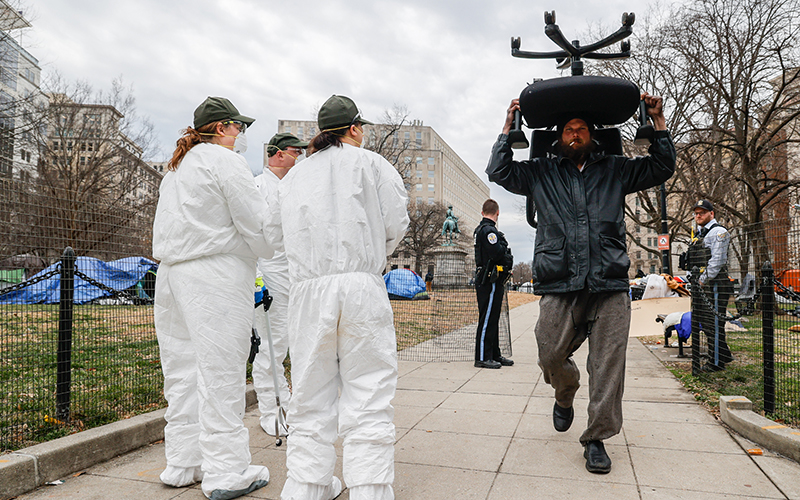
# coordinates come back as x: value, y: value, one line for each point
x: 697, y: 254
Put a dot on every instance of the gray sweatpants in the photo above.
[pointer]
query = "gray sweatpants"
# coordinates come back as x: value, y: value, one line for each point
x: 565, y: 321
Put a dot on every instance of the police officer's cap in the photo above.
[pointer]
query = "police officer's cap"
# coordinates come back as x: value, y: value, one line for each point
x: 704, y: 205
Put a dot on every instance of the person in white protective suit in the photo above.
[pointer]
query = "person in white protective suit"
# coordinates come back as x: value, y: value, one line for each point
x: 282, y: 152
x: 343, y: 210
x: 209, y: 228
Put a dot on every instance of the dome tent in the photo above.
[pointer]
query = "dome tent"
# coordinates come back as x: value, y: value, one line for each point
x: 404, y: 284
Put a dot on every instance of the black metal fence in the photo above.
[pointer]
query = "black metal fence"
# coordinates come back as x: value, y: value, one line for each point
x: 77, y: 343
x: 761, y: 321
x: 441, y: 323
x: 78, y: 346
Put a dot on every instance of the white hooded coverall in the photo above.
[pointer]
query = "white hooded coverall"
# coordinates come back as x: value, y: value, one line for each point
x: 343, y: 210
x: 210, y: 226
x: 275, y: 272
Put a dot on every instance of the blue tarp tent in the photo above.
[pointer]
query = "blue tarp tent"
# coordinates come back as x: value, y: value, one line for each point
x: 403, y: 283
x: 119, y: 274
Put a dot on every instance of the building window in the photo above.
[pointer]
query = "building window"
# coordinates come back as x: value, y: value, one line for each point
x: 419, y: 187
x: 419, y: 174
x: 419, y: 201
x: 430, y: 187
x: 407, y: 160
x: 419, y: 160
x: 300, y: 132
x: 431, y: 161
x: 430, y: 174
x: 652, y: 269
x: 638, y: 254
x: 419, y: 139
x: 430, y: 201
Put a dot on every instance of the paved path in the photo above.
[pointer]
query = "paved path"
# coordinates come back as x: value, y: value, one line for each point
x: 466, y: 433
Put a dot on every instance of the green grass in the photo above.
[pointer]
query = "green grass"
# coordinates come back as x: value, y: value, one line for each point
x: 416, y: 321
x: 744, y: 376
x: 116, y: 370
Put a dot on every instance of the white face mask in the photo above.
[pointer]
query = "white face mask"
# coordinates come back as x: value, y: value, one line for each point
x: 240, y: 145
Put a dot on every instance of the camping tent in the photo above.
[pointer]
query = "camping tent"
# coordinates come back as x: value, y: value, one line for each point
x: 403, y: 284
x: 30, y: 264
x: 526, y: 287
x: 120, y: 275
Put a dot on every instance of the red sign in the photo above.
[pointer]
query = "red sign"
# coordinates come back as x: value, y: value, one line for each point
x: 663, y: 242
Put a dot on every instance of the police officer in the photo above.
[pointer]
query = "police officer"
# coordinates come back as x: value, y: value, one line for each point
x: 709, y: 252
x: 494, y: 261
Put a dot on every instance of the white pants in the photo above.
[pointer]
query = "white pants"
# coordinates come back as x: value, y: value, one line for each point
x: 348, y: 343
x: 278, y: 286
x: 202, y: 318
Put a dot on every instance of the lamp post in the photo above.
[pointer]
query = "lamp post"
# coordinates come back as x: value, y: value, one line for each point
x: 666, y: 264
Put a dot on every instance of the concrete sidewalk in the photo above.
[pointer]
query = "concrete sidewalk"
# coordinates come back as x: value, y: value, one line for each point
x: 467, y: 433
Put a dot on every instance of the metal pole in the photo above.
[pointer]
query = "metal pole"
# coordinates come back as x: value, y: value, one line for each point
x: 577, y: 64
x: 666, y: 264
x: 768, y: 335
x: 64, y: 353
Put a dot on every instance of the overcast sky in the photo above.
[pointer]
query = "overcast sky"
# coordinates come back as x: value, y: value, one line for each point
x: 448, y: 62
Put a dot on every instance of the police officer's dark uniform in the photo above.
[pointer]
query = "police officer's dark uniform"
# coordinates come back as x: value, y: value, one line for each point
x: 709, y: 252
x: 494, y: 261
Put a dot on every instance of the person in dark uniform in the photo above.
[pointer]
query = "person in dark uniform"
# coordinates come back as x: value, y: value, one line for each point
x: 712, y: 259
x: 494, y: 261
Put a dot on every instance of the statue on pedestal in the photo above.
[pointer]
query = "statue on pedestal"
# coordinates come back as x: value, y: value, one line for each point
x: 450, y: 227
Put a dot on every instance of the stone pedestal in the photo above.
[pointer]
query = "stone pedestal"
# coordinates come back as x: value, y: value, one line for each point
x: 450, y: 266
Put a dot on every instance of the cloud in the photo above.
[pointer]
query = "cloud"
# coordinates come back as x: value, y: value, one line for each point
x: 448, y: 61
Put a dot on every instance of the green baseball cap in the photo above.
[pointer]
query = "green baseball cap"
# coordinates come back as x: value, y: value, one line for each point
x: 282, y: 141
x: 215, y: 109
x: 339, y: 112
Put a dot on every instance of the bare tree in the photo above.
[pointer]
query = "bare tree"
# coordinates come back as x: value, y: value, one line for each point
x: 729, y: 72
x: 523, y: 272
x: 384, y: 139
x: 100, y: 193
x: 424, y: 231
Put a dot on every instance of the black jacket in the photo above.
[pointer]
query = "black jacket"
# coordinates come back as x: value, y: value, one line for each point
x: 580, y: 239
x: 491, y: 244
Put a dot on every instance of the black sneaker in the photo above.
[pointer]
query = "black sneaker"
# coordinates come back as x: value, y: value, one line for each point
x: 489, y: 363
x: 597, y: 461
x: 505, y: 361
x: 562, y: 417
